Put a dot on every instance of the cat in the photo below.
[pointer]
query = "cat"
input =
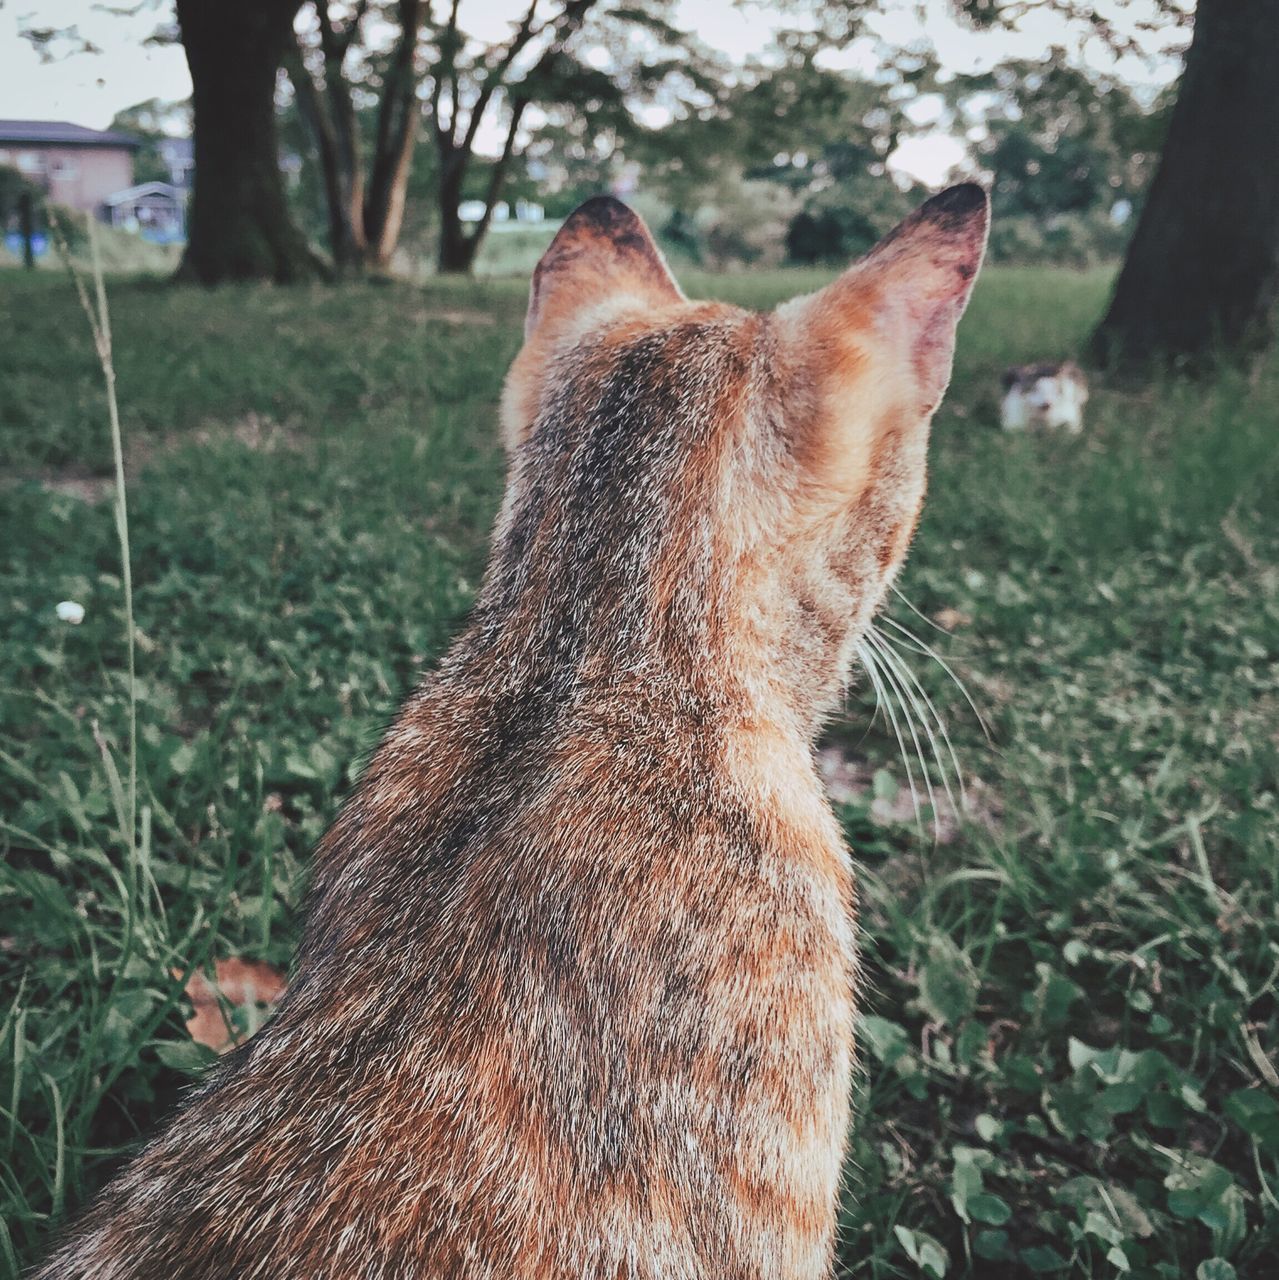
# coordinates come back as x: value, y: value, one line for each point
x: 575, y: 993
x: 1044, y: 395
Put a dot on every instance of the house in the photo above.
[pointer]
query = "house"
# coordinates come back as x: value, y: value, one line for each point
x: 156, y: 211
x: 72, y: 165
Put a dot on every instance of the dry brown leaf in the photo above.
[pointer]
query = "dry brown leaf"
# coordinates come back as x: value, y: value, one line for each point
x: 951, y: 619
x: 236, y: 984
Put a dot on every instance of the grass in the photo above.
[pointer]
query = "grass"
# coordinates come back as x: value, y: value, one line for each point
x: 1070, y: 1009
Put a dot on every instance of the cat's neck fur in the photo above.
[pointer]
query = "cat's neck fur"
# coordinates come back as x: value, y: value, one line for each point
x: 656, y: 586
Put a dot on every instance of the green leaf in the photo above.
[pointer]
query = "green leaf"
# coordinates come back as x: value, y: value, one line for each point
x: 1119, y: 1099
x: 993, y: 1246
x: 988, y: 1128
x: 1257, y: 1114
x: 182, y: 759
x: 947, y: 983
x: 972, y: 1043
x: 1103, y: 1227
x: 1228, y: 1220
x: 1164, y: 1110
x: 989, y: 1209
x: 1215, y: 1269
x: 925, y: 1252
x: 886, y: 1040
x: 184, y: 1055
x: 965, y: 1181
x: 1042, y: 1258
x: 1080, y: 1055
x: 1052, y: 998
x: 883, y: 785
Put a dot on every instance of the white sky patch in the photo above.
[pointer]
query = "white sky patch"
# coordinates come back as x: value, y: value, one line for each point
x: 86, y: 88
x: 928, y: 158
x: 90, y: 88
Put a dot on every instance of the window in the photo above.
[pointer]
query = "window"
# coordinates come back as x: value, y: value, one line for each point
x: 31, y: 161
x: 64, y: 166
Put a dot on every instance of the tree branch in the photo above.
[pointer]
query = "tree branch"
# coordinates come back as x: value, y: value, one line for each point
x: 515, y: 46
x: 498, y: 176
x: 447, y: 68
x: 352, y: 29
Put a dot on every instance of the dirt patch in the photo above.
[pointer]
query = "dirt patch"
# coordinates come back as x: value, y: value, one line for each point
x: 253, y: 431
x: 455, y: 315
x: 72, y: 481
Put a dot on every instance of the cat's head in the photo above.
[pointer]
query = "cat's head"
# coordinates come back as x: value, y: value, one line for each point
x: 711, y: 495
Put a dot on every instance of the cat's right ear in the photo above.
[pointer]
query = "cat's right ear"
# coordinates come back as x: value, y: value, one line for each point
x: 602, y: 253
x: 896, y: 310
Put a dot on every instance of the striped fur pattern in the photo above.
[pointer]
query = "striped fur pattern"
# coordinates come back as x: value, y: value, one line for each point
x: 575, y: 995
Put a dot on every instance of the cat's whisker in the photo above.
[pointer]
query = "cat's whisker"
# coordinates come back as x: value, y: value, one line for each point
x: 883, y: 693
x: 911, y: 713
x: 929, y: 718
x: 930, y: 712
x: 923, y: 617
x: 890, y: 692
x: 875, y: 687
x: 867, y: 661
x: 928, y: 651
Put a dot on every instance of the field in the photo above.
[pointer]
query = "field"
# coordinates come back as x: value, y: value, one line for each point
x: 1071, y: 1009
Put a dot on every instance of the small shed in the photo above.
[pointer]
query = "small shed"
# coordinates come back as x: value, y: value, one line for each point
x: 156, y: 211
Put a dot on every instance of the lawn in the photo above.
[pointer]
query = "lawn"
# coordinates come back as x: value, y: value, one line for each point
x: 1070, y: 1014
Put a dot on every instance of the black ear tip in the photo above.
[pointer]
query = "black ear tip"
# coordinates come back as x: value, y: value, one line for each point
x: 963, y: 201
x: 604, y: 212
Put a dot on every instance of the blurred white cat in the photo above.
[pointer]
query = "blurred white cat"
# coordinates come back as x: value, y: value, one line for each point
x: 1049, y: 396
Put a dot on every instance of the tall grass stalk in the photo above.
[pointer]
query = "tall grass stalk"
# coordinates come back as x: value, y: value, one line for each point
x: 99, y: 317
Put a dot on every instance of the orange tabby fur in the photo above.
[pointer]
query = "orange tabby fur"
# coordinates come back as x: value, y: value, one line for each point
x: 576, y: 991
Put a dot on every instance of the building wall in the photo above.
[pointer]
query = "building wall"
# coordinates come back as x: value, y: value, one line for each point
x: 78, y: 177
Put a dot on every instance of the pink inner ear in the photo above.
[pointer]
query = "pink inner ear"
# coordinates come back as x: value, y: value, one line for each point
x: 934, y: 350
x: 931, y: 262
x: 910, y: 290
x: 602, y: 248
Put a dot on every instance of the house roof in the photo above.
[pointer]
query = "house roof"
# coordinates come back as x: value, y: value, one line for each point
x: 63, y: 133
x: 141, y: 191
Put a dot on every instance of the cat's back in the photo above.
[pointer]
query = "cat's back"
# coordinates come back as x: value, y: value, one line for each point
x: 631, y: 932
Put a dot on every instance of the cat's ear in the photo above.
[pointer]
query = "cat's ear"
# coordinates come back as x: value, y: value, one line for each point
x: 898, y: 307
x: 602, y: 251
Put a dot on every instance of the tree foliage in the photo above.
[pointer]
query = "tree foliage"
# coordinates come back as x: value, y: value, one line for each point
x: 151, y: 122
x: 566, y: 63
x: 1059, y: 139
x: 820, y: 135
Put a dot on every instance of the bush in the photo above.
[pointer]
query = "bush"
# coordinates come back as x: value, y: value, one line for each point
x: 1061, y: 240
x: 845, y: 221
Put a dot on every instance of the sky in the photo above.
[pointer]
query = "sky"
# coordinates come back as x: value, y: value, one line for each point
x: 89, y: 89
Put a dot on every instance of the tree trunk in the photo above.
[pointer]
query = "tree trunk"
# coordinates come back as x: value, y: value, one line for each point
x: 26, y: 228
x: 330, y: 117
x: 1202, y: 271
x: 399, y: 116
x: 240, y: 227
x: 457, y: 249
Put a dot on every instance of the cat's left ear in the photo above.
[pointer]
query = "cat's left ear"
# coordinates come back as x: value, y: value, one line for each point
x: 601, y: 253
x: 896, y: 310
